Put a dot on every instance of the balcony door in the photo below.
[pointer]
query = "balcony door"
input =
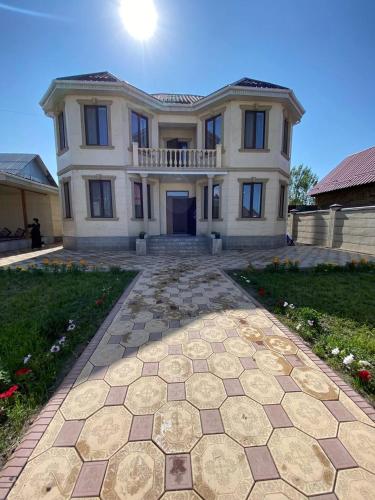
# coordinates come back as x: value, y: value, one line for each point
x: 174, y: 157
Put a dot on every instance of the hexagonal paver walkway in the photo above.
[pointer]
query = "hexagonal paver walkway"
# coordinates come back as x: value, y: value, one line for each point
x: 192, y: 390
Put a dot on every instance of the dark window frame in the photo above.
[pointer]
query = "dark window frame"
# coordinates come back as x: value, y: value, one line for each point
x: 140, y: 215
x: 215, y: 216
x: 101, y: 183
x: 61, y: 132
x: 282, y: 201
x: 96, y: 107
x: 139, y: 117
x: 213, y: 120
x: 254, y: 113
x: 252, y: 184
x: 286, y: 137
x: 67, y: 200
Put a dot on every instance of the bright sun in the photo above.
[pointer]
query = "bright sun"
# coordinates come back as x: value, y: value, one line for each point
x: 139, y: 18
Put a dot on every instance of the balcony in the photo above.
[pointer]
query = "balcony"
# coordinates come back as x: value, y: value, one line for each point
x: 176, y: 159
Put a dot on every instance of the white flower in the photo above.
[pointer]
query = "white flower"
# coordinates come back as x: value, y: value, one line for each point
x: 348, y: 360
x: 310, y: 322
x: 298, y: 327
x: 55, y: 348
x: 292, y: 306
x: 335, y: 351
x: 71, y: 327
x: 26, y: 359
x: 71, y: 321
x: 364, y: 363
x: 285, y: 304
x: 247, y: 281
x: 62, y: 340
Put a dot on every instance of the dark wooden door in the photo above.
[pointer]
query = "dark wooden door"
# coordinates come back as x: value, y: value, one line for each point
x: 192, y: 216
x: 180, y: 215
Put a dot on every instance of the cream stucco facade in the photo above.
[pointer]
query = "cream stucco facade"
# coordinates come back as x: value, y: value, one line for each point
x: 173, y: 122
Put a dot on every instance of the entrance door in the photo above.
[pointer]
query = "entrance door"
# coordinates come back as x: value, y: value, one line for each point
x: 181, y: 213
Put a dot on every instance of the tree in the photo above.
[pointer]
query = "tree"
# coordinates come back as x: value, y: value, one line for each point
x: 302, y: 179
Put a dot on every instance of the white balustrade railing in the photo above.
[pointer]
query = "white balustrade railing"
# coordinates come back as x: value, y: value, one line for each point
x: 176, y: 158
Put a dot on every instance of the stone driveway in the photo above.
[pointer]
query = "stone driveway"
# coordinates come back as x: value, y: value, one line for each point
x: 192, y: 390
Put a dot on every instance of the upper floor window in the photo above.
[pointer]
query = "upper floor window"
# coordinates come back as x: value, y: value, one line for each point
x: 213, y: 131
x: 138, y: 200
x: 215, y: 201
x: 61, y: 132
x: 255, y: 128
x: 286, y: 129
x: 96, y: 125
x: 139, y: 129
x: 252, y: 200
x: 67, y: 202
x: 101, y: 199
x: 282, y: 201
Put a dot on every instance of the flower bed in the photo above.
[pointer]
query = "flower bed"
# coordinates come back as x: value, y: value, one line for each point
x: 47, y: 317
x: 331, y: 307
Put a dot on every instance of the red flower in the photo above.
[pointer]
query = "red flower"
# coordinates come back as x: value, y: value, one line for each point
x: 9, y: 392
x: 99, y: 302
x: 262, y: 292
x: 23, y: 371
x: 365, y: 375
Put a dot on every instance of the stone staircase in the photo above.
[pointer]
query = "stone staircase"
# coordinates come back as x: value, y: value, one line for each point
x: 178, y: 245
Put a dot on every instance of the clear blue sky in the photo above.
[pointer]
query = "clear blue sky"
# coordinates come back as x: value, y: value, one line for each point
x: 323, y: 49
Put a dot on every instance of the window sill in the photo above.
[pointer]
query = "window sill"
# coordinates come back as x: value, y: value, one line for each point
x: 140, y: 219
x: 281, y: 218
x: 250, y: 218
x: 84, y: 146
x: 102, y: 218
x: 68, y: 218
x: 249, y: 150
x: 62, y: 151
x: 285, y: 155
x: 213, y: 220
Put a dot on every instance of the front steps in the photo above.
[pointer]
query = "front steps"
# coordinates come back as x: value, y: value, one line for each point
x: 178, y: 245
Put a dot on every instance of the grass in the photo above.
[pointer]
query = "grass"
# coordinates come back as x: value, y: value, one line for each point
x: 35, y: 308
x: 339, y: 301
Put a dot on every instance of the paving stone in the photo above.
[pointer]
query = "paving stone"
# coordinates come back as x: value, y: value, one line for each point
x: 339, y: 411
x: 178, y: 475
x: 233, y: 387
x: 337, y: 453
x: 217, y: 347
x: 174, y: 349
x: 211, y: 422
x: 277, y: 416
x: 176, y: 391
x: 141, y: 428
x: 200, y: 365
x: 90, y: 479
x: 248, y: 363
x: 261, y: 463
x: 69, y: 433
x: 150, y: 369
x: 116, y: 396
x: 287, y: 383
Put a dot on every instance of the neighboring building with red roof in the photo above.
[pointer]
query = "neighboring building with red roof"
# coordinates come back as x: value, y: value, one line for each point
x: 351, y: 183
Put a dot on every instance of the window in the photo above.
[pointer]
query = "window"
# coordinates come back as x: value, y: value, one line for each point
x: 285, y: 149
x: 252, y: 200
x: 139, y: 129
x: 138, y: 200
x: 215, y: 201
x: 282, y: 201
x: 254, y: 133
x: 61, y: 133
x: 67, y: 204
x: 101, y: 199
x: 213, y: 132
x: 96, y: 125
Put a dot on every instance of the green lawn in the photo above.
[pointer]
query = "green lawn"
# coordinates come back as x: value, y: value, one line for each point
x: 35, y: 309
x: 340, y: 302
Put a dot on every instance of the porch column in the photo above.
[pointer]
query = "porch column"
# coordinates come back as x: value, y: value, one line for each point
x: 145, y: 202
x: 209, y: 203
x: 24, y: 210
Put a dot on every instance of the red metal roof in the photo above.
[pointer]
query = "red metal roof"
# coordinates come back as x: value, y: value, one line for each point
x: 355, y: 170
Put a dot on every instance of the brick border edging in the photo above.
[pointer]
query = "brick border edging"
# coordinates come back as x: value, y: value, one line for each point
x: 18, y: 459
x: 361, y: 402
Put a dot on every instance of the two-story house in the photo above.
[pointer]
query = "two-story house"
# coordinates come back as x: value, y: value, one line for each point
x: 171, y: 164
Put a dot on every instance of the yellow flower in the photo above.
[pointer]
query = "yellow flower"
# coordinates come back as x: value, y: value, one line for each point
x: 82, y: 262
x: 45, y: 262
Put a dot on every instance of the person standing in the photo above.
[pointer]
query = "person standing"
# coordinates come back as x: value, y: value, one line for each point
x: 36, y: 238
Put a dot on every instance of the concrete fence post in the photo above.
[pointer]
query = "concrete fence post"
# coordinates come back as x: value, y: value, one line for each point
x: 294, y: 213
x: 332, y: 223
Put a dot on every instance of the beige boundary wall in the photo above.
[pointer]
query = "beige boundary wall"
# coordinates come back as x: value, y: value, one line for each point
x: 350, y: 229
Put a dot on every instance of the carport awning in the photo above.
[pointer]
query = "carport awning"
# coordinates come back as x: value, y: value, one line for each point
x: 27, y: 184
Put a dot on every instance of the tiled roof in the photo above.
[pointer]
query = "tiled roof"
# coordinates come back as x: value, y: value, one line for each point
x: 13, y: 163
x: 178, y: 98
x: 250, y: 82
x: 102, y: 76
x: 21, y: 165
x: 355, y: 170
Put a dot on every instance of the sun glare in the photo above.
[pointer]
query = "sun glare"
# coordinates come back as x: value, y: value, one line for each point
x: 139, y: 18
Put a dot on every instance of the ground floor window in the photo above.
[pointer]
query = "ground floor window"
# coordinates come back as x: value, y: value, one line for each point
x: 252, y: 193
x: 282, y: 201
x: 67, y: 201
x: 138, y: 200
x: 101, y: 198
x: 216, y: 195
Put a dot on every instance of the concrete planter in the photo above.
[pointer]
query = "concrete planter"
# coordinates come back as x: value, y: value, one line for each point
x: 216, y: 246
x: 141, y: 246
